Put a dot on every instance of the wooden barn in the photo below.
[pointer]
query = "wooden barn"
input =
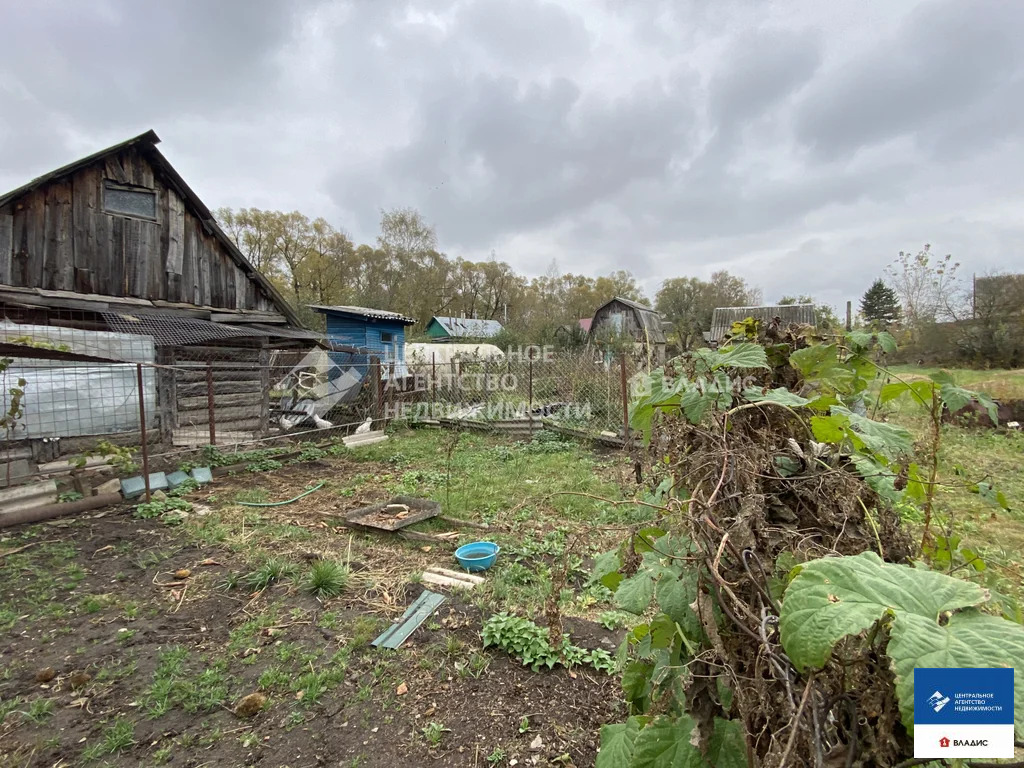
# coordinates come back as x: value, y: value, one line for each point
x: 624, y: 317
x: 118, y: 245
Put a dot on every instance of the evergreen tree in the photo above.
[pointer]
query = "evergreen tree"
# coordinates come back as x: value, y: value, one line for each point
x: 880, y: 304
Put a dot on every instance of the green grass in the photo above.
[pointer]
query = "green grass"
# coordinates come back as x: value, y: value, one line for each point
x: 116, y: 738
x: 39, y: 711
x: 326, y: 579
x: 969, y: 455
x: 489, y: 476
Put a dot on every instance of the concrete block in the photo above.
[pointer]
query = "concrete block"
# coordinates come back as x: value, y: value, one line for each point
x: 176, y: 478
x: 133, y: 487
x: 111, y: 486
x: 202, y: 475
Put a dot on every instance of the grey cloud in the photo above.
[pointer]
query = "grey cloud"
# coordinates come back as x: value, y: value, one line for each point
x: 944, y: 58
x: 799, y: 143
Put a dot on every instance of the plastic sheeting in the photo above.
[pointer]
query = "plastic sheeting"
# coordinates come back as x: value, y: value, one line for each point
x: 74, y: 399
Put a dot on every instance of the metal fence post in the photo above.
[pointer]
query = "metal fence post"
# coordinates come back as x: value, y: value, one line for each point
x: 210, y: 409
x: 142, y: 430
x: 433, y: 385
x: 625, y: 398
x: 487, y: 388
x: 529, y: 389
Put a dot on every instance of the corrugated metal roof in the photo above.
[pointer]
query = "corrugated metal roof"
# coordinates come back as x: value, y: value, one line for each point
x: 468, y: 327
x: 170, y: 330
x: 723, y: 317
x: 367, y: 312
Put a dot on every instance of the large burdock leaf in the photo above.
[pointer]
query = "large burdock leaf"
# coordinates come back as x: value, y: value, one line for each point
x: 970, y: 639
x: 934, y: 621
x: 617, y: 743
x: 839, y: 596
x: 666, y: 743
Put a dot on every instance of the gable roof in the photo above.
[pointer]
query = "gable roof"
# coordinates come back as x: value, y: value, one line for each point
x: 147, y: 142
x: 723, y: 317
x: 468, y: 327
x: 366, y: 313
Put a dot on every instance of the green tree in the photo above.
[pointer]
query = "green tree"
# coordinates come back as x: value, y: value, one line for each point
x: 689, y: 302
x: 880, y: 304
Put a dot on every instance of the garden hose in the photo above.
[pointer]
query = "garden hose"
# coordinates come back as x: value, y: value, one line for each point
x: 281, y: 503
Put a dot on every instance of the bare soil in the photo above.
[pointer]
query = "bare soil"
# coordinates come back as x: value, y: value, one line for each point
x: 94, y: 606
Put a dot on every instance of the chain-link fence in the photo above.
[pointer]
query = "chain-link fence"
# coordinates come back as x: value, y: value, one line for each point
x: 68, y: 394
x: 162, y: 386
x: 585, y: 391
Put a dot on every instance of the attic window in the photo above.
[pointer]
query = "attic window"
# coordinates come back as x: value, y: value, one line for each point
x: 129, y: 201
x: 386, y: 338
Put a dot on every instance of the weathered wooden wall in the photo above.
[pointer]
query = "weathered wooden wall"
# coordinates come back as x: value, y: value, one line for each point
x: 603, y: 320
x: 58, y: 237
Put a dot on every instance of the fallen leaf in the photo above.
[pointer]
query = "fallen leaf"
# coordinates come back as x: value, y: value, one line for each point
x: 426, y: 549
x: 402, y: 689
x: 210, y: 561
x: 537, y: 743
x: 182, y: 573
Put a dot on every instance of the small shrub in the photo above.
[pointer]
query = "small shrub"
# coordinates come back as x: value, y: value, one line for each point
x: 326, y: 578
x: 433, y: 732
x: 167, y: 509
x: 531, y: 644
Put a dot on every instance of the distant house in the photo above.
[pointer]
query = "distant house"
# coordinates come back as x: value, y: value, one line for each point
x: 584, y: 324
x: 723, y: 317
x: 620, y: 317
x: 462, y: 328
x: 379, y: 332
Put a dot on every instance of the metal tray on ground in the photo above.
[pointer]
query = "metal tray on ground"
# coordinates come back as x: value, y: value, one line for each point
x: 374, y: 516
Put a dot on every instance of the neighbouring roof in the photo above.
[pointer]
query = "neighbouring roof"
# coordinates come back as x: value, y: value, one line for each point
x: 649, y: 318
x: 367, y: 313
x: 723, y: 317
x: 147, y: 143
x: 468, y: 327
x: 584, y: 323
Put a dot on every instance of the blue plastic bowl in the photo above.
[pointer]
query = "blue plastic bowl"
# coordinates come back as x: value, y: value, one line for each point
x: 478, y: 556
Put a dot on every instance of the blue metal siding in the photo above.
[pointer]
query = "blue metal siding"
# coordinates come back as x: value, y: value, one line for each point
x: 346, y: 330
x: 366, y: 333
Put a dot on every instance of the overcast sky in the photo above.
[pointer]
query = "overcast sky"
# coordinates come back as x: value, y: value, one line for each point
x: 801, y: 145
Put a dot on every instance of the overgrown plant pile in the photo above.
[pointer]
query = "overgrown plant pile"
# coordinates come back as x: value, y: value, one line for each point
x: 786, y: 605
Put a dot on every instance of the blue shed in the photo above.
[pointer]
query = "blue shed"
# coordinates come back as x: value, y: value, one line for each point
x: 379, y: 332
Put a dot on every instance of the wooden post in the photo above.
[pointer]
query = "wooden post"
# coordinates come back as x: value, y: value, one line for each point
x: 375, y: 390
x: 625, y: 398
x: 264, y: 363
x: 210, y: 404
x: 142, y: 431
x: 166, y: 395
x: 849, y: 315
